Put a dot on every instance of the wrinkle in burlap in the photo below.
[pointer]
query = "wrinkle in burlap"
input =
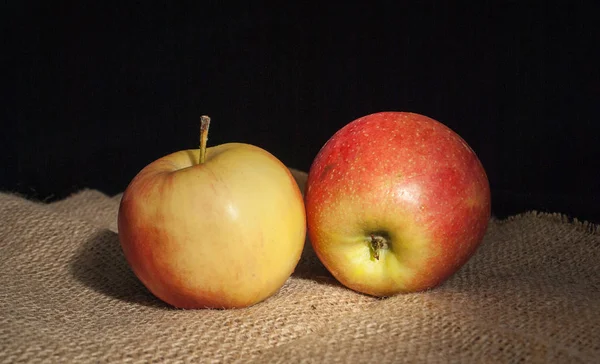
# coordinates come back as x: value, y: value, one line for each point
x: 532, y: 293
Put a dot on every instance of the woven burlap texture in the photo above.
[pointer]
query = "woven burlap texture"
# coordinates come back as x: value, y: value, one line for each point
x: 531, y: 293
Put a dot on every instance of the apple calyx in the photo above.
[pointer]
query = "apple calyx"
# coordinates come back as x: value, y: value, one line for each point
x: 377, y: 242
x: 204, y: 124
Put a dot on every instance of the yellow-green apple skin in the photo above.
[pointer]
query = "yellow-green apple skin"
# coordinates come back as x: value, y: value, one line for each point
x: 226, y: 233
x: 407, y: 181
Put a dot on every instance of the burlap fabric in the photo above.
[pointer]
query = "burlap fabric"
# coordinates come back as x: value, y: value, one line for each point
x: 531, y: 293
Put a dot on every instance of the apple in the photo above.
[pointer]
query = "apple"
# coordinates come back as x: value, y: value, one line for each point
x: 219, y: 227
x: 396, y: 202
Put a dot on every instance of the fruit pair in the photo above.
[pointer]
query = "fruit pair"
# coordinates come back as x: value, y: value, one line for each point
x: 395, y: 202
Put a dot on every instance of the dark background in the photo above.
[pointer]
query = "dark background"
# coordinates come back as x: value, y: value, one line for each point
x: 94, y: 92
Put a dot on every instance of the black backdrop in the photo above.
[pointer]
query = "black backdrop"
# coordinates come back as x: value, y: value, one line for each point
x: 94, y: 92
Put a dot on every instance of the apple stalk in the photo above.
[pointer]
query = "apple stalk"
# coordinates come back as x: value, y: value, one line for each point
x: 377, y: 243
x: 204, y: 124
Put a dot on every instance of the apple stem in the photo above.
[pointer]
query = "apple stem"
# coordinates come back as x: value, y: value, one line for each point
x: 204, y: 124
x: 377, y: 242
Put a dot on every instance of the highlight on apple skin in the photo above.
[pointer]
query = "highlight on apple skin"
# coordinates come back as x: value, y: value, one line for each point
x: 396, y: 202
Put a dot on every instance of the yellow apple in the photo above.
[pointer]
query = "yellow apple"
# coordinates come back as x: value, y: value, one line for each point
x: 222, y: 227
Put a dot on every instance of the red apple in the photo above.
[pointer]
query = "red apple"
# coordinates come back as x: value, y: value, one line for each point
x: 396, y: 202
x: 222, y: 227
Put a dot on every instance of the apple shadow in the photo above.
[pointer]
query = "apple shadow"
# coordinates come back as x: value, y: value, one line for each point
x: 100, y: 264
x: 310, y: 267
